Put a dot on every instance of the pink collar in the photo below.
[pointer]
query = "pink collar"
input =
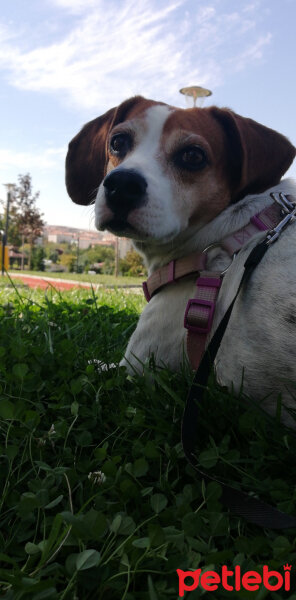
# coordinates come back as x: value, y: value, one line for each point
x: 195, y: 262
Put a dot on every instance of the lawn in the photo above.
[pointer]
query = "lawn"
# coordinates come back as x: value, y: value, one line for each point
x: 98, y: 501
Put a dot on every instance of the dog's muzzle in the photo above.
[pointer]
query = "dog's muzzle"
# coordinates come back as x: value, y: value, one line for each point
x: 125, y: 190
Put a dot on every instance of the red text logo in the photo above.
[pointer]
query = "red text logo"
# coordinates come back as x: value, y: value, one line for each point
x: 233, y: 580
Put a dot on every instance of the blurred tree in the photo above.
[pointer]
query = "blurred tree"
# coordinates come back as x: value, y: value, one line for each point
x: 14, y: 237
x: 25, y: 219
x: 104, y: 254
x: 132, y: 264
x: 54, y: 256
x: 69, y: 261
x: 28, y: 217
x: 37, y: 261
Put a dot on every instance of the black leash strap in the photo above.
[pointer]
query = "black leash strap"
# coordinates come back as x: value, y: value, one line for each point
x: 240, y: 503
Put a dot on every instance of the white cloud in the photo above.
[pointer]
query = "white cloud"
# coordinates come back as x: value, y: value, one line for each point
x: 76, y: 6
x: 254, y: 52
x: 117, y: 49
x: 24, y: 161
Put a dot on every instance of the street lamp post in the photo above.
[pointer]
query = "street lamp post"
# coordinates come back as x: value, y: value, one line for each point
x: 77, y: 265
x: 116, y: 271
x: 75, y: 242
x: 10, y: 188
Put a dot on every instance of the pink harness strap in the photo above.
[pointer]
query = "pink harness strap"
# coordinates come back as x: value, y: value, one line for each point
x: 193, y: 263
x: 266, y: 219
x: 199, y: 314
x: 200, y: 310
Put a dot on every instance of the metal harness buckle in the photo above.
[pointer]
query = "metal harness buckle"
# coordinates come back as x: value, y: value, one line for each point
x: 288, y: 209
x: 218, y: 245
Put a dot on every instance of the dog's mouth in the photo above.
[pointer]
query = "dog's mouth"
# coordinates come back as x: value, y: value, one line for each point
x: 117, y: 225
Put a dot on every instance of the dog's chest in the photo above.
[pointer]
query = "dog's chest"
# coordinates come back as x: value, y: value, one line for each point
x: 160, y: 331
x: 258, y: 347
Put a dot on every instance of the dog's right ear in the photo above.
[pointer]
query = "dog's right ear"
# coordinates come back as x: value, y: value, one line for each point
x: 87, y: 153
x: 257, y: 156
x: 86, y: 157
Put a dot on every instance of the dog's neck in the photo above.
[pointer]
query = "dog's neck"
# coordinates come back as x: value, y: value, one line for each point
x: 227, y: 222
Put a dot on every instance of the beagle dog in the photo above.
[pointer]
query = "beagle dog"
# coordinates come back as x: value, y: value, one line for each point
x: 177, y: 182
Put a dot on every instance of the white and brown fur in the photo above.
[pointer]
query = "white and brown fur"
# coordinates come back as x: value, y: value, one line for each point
x: 176, y: 181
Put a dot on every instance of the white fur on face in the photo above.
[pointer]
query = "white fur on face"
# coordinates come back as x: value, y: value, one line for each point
x: 156, y: 219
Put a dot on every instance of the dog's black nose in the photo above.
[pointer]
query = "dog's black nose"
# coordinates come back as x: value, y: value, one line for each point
x: 125, y: 190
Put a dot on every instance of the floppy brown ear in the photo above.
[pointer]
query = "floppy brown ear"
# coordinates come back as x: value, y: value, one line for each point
x: 87, y: 156
x: 85, y: 161
x: 257, y: 156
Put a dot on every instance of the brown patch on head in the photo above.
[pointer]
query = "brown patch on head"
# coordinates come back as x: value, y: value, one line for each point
x: 251, y: 156
x: 209, y: 184
x: 87, y: 153
x: 243, y: 157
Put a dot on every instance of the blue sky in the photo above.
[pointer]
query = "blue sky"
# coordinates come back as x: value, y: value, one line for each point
x: 64, y: 62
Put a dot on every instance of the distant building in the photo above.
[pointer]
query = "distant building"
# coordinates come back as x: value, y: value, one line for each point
x: 59, y: 234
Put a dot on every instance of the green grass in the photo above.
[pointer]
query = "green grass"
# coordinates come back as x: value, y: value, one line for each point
x: 98, y: 501
x: 109, y: 280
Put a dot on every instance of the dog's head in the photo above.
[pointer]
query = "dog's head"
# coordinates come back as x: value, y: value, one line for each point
x: 154, y: 170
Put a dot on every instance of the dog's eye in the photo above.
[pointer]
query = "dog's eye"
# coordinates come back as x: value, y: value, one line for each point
x: 192, y: 158
x: 120, y: 144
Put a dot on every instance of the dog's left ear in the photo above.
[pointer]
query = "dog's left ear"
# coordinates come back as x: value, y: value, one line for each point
x: 257, y: 156
x: 87, y: 153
